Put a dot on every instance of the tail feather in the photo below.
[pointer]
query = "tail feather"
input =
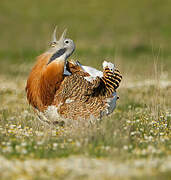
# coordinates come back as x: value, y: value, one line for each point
x: 111, y: 78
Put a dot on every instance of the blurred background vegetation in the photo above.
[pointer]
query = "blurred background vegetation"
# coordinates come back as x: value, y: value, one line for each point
x: 133, y: 34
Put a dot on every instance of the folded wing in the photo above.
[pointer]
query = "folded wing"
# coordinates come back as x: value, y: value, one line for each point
x: 87, y: 93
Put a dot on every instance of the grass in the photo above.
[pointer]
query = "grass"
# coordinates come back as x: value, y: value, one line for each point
x: 134, y: 142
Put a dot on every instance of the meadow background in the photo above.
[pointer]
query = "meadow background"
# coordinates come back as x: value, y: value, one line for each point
x: 135, y: 142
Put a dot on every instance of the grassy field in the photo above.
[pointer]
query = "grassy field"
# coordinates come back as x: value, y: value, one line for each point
x: 135, y: 141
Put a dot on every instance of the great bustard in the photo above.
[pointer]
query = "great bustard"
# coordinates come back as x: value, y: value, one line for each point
x: 59, y: 89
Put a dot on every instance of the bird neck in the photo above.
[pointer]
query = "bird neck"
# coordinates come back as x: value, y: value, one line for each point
x: 43, y: 81
x: 62, y: 57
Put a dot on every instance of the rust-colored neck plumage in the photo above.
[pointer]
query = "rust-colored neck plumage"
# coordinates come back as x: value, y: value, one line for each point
x: 43, y: 81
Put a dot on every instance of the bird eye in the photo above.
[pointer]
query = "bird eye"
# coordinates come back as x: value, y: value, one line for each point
x: 66, y: 42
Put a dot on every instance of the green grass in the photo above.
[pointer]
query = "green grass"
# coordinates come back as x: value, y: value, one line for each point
x: 136, y: 139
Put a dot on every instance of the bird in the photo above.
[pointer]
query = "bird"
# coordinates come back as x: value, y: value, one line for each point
x: 60, y: 90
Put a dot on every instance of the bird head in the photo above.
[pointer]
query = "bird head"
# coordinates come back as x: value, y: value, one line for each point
x: 60, y: 49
